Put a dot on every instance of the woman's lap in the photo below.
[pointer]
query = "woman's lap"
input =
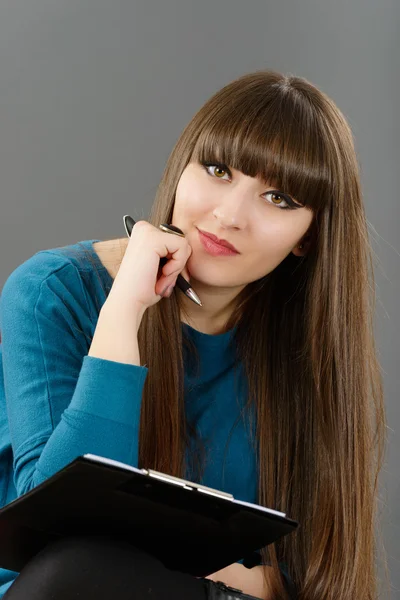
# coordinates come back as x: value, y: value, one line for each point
x: 100, y: 568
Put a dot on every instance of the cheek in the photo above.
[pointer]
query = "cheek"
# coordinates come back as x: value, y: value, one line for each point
x: 190, y: 200
x: 280, y: 234
x: 275, y: 239
x: 266, y: 258
x: 274, y: 243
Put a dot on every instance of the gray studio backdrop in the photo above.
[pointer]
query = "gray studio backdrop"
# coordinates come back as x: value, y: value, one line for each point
x: 94, y: 93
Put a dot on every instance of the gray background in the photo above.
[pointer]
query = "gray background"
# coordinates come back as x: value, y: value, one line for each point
x: 94, y: 94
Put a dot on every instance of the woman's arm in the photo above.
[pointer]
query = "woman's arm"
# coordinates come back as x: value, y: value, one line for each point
x: 250, y: 581
x: 61, y: 402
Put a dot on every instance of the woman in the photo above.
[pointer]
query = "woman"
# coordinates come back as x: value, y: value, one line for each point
x: 270, y: 390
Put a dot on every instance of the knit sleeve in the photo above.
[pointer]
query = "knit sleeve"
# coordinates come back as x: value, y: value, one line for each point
x: 61, y: 403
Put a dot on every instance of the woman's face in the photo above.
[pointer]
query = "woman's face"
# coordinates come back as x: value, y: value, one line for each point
x: 239, y: 209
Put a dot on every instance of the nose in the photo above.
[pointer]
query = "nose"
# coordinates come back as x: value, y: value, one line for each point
x: 233, y: 209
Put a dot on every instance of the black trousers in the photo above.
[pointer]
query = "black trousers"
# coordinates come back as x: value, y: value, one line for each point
x: 100, y: 568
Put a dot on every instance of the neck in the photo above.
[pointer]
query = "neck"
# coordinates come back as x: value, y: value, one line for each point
x: 217, y: 307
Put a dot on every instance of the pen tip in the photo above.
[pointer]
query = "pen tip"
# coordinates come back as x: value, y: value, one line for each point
x: 193, y: 296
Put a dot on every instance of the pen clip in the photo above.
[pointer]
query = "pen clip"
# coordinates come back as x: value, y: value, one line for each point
x: 168, y: 228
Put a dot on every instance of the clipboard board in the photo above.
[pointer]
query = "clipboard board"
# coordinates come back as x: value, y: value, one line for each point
x: 187, y: 526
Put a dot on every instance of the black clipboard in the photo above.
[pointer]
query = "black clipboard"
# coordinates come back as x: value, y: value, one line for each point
x: 187, y: 526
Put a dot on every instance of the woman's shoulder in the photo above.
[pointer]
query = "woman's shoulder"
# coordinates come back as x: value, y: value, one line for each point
x: 66, y: 265
x: 69, y: 272
x: 56, y: 285
x: 78, y: 274
x: 42, y: 265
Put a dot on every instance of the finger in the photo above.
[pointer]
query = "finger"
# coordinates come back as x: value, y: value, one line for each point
x: 164, y: 282
x: 185, y: 274
x: 174, y: 264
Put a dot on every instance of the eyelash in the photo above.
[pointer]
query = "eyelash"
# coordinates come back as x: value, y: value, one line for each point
x: 290, y: 203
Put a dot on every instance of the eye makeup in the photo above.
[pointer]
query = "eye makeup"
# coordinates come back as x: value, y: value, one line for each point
x: 291, y: 204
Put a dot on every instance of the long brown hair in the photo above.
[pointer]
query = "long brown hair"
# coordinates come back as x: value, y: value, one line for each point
x: 304, y: 335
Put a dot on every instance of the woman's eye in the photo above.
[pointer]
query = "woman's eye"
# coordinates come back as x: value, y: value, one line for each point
x: 219, y: 171
x: 277, y: 200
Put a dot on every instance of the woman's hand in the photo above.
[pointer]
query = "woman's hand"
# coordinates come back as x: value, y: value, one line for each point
x: 250, y: 581
x: 140, y: 282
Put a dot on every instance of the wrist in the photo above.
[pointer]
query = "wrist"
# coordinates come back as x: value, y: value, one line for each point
x: 130, y: 314
x: 116, y: 335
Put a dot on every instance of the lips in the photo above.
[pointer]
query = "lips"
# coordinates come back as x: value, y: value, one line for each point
x: 223, y: 243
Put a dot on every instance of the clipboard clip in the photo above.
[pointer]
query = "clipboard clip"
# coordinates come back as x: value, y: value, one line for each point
x: 188, y: 485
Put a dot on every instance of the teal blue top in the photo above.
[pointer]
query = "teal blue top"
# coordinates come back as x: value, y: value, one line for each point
x: 57, y: 403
